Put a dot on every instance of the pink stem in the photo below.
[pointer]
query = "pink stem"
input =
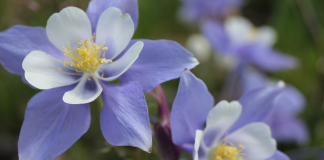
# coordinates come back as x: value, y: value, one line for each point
x: 163, y: 111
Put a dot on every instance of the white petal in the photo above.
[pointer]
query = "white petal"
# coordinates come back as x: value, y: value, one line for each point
x: 199, y: 46
x: 239, y: 29
x: 199, y: 136
x: 115, y: 30
x: 221, y: 118
x: 41, y: 71
x: 266, y: 35
x: 257, y: 140
x: 115, y: 69
x: 66, y: 26
x: 85, y: 92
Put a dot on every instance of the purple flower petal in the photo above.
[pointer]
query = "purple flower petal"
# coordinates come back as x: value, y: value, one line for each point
x: 252, y: 80
x: 195, y: 10
x: 266, y: 58
x: 188, y: 148
x: 51, y: 126
x: 289, y: 130
x: 96, y: 7
x: 18, y: 41
x: 279, y: 156
x: 257, y: 104
x: 159, y: 61
x: 290, y: 103
x: 124, y: 117
x: 274, y: 61
x: 190, y: 108
x: 218, y: 38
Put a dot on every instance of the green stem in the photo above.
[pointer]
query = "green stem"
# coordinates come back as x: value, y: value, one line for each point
x: 99, y: 103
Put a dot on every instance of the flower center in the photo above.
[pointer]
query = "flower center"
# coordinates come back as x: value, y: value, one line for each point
x: 252, y: 35
x: 227, y: 151
x: 84, y: 56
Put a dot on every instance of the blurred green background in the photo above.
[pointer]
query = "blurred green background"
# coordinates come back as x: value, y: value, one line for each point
x: 299, y: 24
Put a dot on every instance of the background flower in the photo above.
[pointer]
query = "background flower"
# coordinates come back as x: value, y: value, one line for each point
x: 198, y: 10
x: 252, y: 141
x: 193, y: 106
x: 253, y: 46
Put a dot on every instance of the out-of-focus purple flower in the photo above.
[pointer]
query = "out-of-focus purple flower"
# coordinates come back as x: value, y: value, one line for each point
x: 57, y: 117
x: 285, y: 125
x: 199, y: 10
x: 230, y: 127
x: 239, y: 40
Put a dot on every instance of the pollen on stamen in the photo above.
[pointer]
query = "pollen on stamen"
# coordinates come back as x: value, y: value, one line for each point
x: 68, y: 72
x: 85, y: 57
x: 228, y: 151
x: 252, y: 35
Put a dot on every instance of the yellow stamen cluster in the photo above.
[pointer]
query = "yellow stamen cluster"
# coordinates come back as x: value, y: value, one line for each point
x: 252, y: 35
x: 227, y: 151
x: 84, y: 57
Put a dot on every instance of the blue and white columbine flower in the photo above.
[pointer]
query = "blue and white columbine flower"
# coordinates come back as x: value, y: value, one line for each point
x: 237, y: 39
x: 85, y: 59
x: 233, y: 130
x: 252, y: 141
x: 72, y: 59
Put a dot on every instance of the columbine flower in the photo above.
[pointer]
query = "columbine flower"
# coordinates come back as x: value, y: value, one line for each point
x: 284, y: 122
x: 252, y: 141
x: 71, y: 59
x: 232, y: 132
x: 199, y: 10
x: 240, y: 41
x: 83, y: 59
